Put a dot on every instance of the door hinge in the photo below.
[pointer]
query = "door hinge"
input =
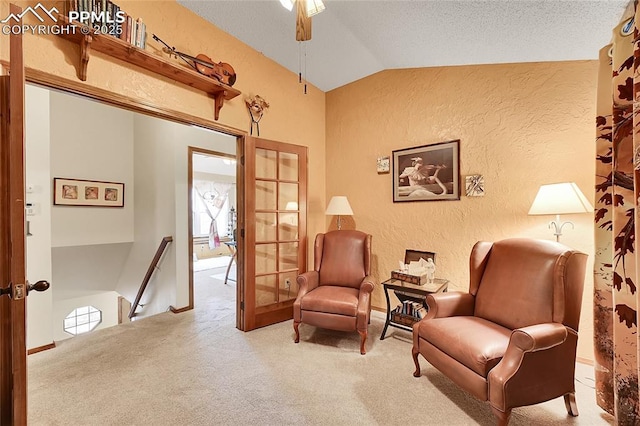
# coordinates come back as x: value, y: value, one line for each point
x: 242, y: 233
x: 242, y: 160
x: 242, y: 306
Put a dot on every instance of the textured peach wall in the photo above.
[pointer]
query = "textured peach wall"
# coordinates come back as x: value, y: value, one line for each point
x: 520, y: 125
x: 292, y: 117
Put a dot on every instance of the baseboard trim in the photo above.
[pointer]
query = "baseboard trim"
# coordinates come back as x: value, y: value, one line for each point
x: 41, y: 348
x: 180, y: 310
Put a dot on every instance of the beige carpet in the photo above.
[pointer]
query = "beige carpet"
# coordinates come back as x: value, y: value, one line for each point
x: 195, y: 368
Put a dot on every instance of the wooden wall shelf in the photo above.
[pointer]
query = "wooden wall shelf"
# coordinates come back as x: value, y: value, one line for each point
x: 119, y: 49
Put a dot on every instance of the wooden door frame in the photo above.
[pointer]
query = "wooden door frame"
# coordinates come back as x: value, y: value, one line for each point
x: 40, y: 78
x: 6, y: 403
x: 12, y: 218
x: 239, y: 262
x: 13, y: 406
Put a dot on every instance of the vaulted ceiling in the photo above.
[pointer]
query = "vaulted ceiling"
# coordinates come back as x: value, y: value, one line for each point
x: 356, y: 38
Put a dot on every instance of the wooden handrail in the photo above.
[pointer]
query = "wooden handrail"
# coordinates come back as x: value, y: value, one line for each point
x: 147, y: 277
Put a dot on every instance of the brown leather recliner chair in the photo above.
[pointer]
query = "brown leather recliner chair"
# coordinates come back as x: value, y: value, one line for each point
x: 337, y: 293
x: 512, y: 339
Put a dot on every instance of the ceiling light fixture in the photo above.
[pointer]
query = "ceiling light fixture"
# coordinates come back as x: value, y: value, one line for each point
x: 311, y: 7
x: 287, y: 4
x: 305, y: 9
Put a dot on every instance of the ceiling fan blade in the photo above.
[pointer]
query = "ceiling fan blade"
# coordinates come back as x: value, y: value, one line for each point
x: 303, y: 24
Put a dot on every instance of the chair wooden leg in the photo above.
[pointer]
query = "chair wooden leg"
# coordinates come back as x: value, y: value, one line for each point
x: 295, y: 327
x: 570, y: 403
x: 415, y: 354
x: 363, y: 340
x: 502, y: 416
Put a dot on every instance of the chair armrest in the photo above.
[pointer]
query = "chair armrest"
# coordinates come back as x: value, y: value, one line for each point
x: 307, y: 281
x: 364, y: 303
x: 368, y: 283
x: 451, y: 304
x: 538, y: 337
x: 519, y: 364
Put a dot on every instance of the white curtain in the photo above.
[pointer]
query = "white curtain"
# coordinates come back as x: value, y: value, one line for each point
x: 213, y: 195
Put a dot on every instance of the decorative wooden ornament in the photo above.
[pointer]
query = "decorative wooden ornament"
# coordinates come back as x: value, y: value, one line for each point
x: 256, y: 106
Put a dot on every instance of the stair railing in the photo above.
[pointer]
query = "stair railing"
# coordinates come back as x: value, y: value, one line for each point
x: 147, y: 277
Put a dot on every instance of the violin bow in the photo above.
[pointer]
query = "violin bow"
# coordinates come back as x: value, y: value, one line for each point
x: 173, y: 49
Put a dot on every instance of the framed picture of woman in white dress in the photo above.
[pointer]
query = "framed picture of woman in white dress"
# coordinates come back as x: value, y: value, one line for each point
x: 427, y: 172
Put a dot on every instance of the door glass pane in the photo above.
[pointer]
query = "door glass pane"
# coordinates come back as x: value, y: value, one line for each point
x: 288, y: 286
x: 288, y: 258
x: 266, y: 164
x: 265, y: 195
x: 288, y: 197
x: 265, y: 258
x: 266, y: 290
x: 265, y: 227
x: 288, y: 227
x: 288, y: 166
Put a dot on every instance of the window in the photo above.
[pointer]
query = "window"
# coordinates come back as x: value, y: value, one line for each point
x: 82, y: 320
x: 201, y: 219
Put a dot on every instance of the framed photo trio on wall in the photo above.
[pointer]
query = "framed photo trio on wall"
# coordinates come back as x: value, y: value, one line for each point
x: 427, y: 173
x: 88, y: 193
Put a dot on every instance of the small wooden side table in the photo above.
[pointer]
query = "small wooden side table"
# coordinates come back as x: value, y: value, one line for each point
x: 407, y: 291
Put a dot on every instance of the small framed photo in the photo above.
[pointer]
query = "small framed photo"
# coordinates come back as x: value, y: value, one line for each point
x: 416, y: 255
x: 427, y: 173
x: 87, y: 193
x: 474, y: 186
x: 383, y: 165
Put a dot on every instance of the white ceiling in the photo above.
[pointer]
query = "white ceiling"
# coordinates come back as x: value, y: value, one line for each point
x: 214, y: 165
x: 355, y: 38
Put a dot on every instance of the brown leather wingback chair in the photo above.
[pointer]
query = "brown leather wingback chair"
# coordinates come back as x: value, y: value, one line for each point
x: 511, y: 340
x: 337, y: 293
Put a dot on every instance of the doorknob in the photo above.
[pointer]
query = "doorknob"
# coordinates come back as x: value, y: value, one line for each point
x: 16, y: 292
x: 42, y: 285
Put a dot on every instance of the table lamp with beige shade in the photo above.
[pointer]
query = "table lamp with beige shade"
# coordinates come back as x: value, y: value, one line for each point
x: 339, y: 206
x: 557, y: 199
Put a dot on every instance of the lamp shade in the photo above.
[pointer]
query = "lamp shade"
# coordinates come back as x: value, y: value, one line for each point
x: 339, y: 205
x: 291, y: 205
x: 560, y: 198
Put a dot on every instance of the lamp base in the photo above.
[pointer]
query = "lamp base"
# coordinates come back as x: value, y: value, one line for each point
x: 557, y: 226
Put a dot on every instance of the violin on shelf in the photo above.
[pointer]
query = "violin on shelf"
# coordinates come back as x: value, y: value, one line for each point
x: 221, y: 71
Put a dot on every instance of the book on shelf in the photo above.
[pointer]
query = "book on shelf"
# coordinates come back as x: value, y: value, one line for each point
x: 106, y: 17
x: 412, y: 309
x: 129, y: 28
x: 141, y: 30
x: 134, y: 28
x: 122, y: 35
